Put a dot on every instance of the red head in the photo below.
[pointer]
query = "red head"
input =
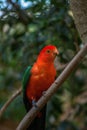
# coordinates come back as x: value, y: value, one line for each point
x: 48, y: 53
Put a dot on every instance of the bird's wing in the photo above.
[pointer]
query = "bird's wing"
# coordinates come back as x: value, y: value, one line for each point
x: 25, y: 81
x: 26, y: 77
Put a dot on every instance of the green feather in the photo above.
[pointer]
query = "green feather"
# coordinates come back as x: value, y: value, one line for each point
x: 26, y: 77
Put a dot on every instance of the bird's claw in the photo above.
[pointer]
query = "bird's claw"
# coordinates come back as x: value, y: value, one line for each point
x: 34, y: 103
x: 43, y: 93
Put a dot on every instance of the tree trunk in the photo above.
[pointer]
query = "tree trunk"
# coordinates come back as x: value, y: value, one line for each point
x: 79, y: 9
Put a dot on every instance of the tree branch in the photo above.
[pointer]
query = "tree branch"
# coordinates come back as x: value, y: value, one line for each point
x: 54, y: 87
x: 9, y: 101
x: 23, y: 16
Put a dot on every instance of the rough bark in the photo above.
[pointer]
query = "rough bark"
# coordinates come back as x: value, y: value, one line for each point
x: 79, y: 9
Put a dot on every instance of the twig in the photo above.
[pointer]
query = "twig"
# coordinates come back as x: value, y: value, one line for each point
x: 26, y: 121
x: 9, y: 101
x: 82, y: 99
x: 70, y: 112
x: 23, y: 16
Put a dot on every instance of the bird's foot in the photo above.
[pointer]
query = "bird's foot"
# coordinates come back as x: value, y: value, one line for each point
x: 34, y: 103
x: 43, y: 93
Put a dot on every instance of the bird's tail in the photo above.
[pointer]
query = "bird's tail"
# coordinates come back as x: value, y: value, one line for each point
x: 39, y: 122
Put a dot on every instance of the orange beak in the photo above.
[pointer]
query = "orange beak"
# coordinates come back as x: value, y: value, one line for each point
x: 56, y: 52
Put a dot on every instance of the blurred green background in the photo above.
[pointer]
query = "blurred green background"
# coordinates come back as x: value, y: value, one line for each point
x: 26, y: 26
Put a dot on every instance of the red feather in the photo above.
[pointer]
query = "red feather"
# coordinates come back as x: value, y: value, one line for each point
x: 43, y: 73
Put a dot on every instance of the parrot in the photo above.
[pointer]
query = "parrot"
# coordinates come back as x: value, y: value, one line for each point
x: 36, y: 80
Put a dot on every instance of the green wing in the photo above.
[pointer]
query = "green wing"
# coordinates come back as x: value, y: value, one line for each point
x: 26, y: 77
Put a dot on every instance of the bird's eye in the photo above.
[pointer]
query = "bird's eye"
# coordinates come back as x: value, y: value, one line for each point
x: 48, y: 51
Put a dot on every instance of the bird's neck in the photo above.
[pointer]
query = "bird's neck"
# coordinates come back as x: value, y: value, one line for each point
x: 45, y: 63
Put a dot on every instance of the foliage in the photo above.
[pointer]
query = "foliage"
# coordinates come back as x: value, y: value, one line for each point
x: 24, y: 30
